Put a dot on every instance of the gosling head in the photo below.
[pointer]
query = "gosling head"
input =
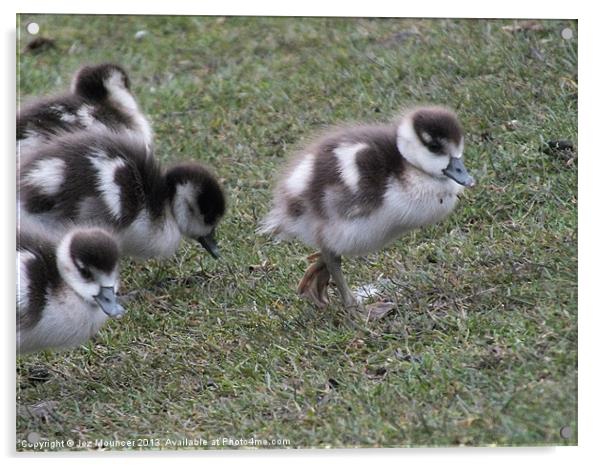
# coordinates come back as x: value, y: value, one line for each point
x: 87, y: 259
x: 101, y: 81
x: 197, y: 202
x: 432, y: 140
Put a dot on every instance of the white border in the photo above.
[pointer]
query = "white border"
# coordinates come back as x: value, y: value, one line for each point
x: 455, y: 9
x: 589, y: 211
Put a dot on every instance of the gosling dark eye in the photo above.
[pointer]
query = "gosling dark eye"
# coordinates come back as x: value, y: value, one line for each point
x: 85, y: 273
x: 435, y: 146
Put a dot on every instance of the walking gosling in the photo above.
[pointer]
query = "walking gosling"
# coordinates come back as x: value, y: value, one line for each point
x: 355, y: 189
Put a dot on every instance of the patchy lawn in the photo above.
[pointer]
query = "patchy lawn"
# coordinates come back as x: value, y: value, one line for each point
x: 483, y: 346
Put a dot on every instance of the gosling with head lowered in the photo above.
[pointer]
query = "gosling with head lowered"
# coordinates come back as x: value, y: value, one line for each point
x: 105, y: 179
x: 355, y: 189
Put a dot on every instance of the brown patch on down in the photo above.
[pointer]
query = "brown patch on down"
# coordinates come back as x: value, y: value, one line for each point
x: 38, y: 202
x: 42, y: 273
x: 376, y: 163
x: 95, y: 248
x: 141, y: 180
x: 326, y: 175
x: 440, y: 124
x: 43, y: 117
x: 126, y: 178
x: 211, y: 199
x: 295, y: 207
x: 89, y: 81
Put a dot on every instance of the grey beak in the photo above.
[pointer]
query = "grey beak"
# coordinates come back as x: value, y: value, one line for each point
x: 107, y: 301
x: 457, y: 172
x: 209, y: 243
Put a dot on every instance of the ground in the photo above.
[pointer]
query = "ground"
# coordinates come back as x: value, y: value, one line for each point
x: 482, y: 349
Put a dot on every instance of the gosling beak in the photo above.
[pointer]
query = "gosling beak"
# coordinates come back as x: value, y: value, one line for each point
x: 209, y: 243
x: 107, y: 301
x: 457, y: 172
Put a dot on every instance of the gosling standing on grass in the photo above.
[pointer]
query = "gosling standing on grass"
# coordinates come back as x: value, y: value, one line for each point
x: 355, y: 189
x: 66, y: 287
x: 105, y: 179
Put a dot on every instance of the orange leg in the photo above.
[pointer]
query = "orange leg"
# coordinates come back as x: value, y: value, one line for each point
x: 314, y: 284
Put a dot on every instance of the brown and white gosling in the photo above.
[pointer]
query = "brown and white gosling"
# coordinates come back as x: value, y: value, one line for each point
x: 355, y: 189
x: 100, y: 97
x: 105, y: 179
x: 66, y: 288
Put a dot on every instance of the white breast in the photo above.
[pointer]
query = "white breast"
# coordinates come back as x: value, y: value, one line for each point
x: 144, y: 239
x: 416, y: 202
x: 67, y: 321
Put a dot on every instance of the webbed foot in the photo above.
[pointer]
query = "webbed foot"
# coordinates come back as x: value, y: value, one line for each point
x: 314, y: 284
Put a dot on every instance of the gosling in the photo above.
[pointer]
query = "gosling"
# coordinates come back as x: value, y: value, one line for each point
x: 109, y: 180
x: 355, y: 189
x: 100, y: 97
x: 66, y: 289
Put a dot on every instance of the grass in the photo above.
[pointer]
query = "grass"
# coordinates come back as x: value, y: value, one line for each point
x: 482, y: 349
